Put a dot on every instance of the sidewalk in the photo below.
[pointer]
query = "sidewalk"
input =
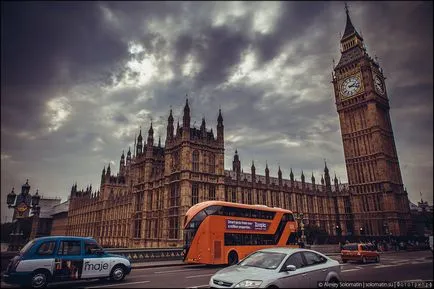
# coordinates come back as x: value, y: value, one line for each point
x: 155, y: 264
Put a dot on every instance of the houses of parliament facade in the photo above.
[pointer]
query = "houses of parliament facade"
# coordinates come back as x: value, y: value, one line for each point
x: 144, y: 204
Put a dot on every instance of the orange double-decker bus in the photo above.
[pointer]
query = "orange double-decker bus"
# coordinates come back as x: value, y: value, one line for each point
x: 217, y: 232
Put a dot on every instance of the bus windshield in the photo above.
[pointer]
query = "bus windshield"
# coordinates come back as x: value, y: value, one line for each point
x: 191, y: 229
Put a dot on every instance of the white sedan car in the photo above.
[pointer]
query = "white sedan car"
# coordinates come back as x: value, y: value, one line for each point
x: 279, y: 268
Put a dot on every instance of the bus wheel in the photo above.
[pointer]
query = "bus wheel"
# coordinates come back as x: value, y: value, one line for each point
x: 232, y: 258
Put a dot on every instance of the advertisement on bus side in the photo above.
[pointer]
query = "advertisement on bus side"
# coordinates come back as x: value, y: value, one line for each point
x: 246, y: 225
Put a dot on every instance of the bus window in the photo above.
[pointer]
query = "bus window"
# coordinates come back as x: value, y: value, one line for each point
x: 213, y: 210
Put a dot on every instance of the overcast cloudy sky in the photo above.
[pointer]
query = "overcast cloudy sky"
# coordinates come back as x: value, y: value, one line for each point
x: 78, y: 79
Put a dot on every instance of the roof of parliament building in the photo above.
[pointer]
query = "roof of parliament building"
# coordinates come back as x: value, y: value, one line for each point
x: 260, y: 179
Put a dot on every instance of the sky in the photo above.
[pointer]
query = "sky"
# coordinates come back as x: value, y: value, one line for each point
x: 79, y: 79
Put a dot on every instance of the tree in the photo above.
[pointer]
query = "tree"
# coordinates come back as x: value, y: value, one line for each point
x: 8, y: 228
x: 315, y: 234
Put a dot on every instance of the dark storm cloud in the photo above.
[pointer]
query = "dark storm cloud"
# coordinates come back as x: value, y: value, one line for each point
x: 218, y: 52
x: 293, y: 22
x: 281, y: 111
x: 120, y: 119
x: 46, y: 48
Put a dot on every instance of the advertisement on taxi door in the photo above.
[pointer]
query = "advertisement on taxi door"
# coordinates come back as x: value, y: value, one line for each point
x: 68, y: 269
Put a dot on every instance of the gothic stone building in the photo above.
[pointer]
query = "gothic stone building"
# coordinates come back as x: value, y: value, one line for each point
x: 144, y: 204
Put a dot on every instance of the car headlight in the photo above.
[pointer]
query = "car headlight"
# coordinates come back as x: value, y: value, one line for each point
x: 248, y: 284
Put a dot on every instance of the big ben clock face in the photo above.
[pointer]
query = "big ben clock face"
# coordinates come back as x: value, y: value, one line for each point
x: 351, y: 86
x: 379, y: 84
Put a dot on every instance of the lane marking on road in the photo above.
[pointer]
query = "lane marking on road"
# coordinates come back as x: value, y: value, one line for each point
x: 173, y: 271
x: 199, y: 286
x: 196, y: 276
x: 153, y: 268
x: 385, y: 266
x: 415, y: 280
x: 348, y: 270
x: 119, y: 284
x: 420, y: 262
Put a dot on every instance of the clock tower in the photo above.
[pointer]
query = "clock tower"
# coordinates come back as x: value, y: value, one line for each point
x: 379, y: 201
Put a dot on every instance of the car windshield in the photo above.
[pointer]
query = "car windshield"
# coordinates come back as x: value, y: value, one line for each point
x: 264, y: 260
x: 27, y: 247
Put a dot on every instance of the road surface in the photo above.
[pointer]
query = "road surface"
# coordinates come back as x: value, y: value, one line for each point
x: 400, y: 266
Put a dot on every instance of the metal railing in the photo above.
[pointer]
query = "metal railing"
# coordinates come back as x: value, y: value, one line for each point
x: 148, y: 254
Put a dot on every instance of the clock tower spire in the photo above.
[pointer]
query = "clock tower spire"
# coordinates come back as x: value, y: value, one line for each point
x: 371, y: 159
x: 351, y: 37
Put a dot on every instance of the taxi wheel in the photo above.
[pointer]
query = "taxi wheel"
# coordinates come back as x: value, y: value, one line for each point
x: 377, y: 259
x: 364, y: 260
x: 118, y: 273
x: 344, y: 261
x: 39, y: 280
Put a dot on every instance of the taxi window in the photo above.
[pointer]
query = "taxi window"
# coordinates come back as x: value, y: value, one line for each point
x: 69, y: 248
x: 350, y: 247
x: 91, y: 247
x: 27, y: 247
x: 46, y: 248
x: 371, y: 248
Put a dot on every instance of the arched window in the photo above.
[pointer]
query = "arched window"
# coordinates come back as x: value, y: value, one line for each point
x: 194, y: 194
x: 264, y: 198
x: 211, y: 192
x: 175, y: 161
x: 195, y: 161
x: 211, y: 163
x: 234, y: 195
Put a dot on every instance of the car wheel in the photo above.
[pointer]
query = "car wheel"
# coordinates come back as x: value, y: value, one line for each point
x: 377, y: 259
x: 333, y: 280
x: 364, y: 260
x: 117, y: 273
x: 232, y: 258
x: 344, y: 261
x: 39, y: 280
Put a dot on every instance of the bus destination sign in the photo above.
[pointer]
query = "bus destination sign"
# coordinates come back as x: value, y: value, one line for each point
x: 246, y: 225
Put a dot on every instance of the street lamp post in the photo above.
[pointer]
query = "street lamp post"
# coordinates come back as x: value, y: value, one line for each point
x: 300, y: 218
x: 338, y: 232
x: 22, y: 204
